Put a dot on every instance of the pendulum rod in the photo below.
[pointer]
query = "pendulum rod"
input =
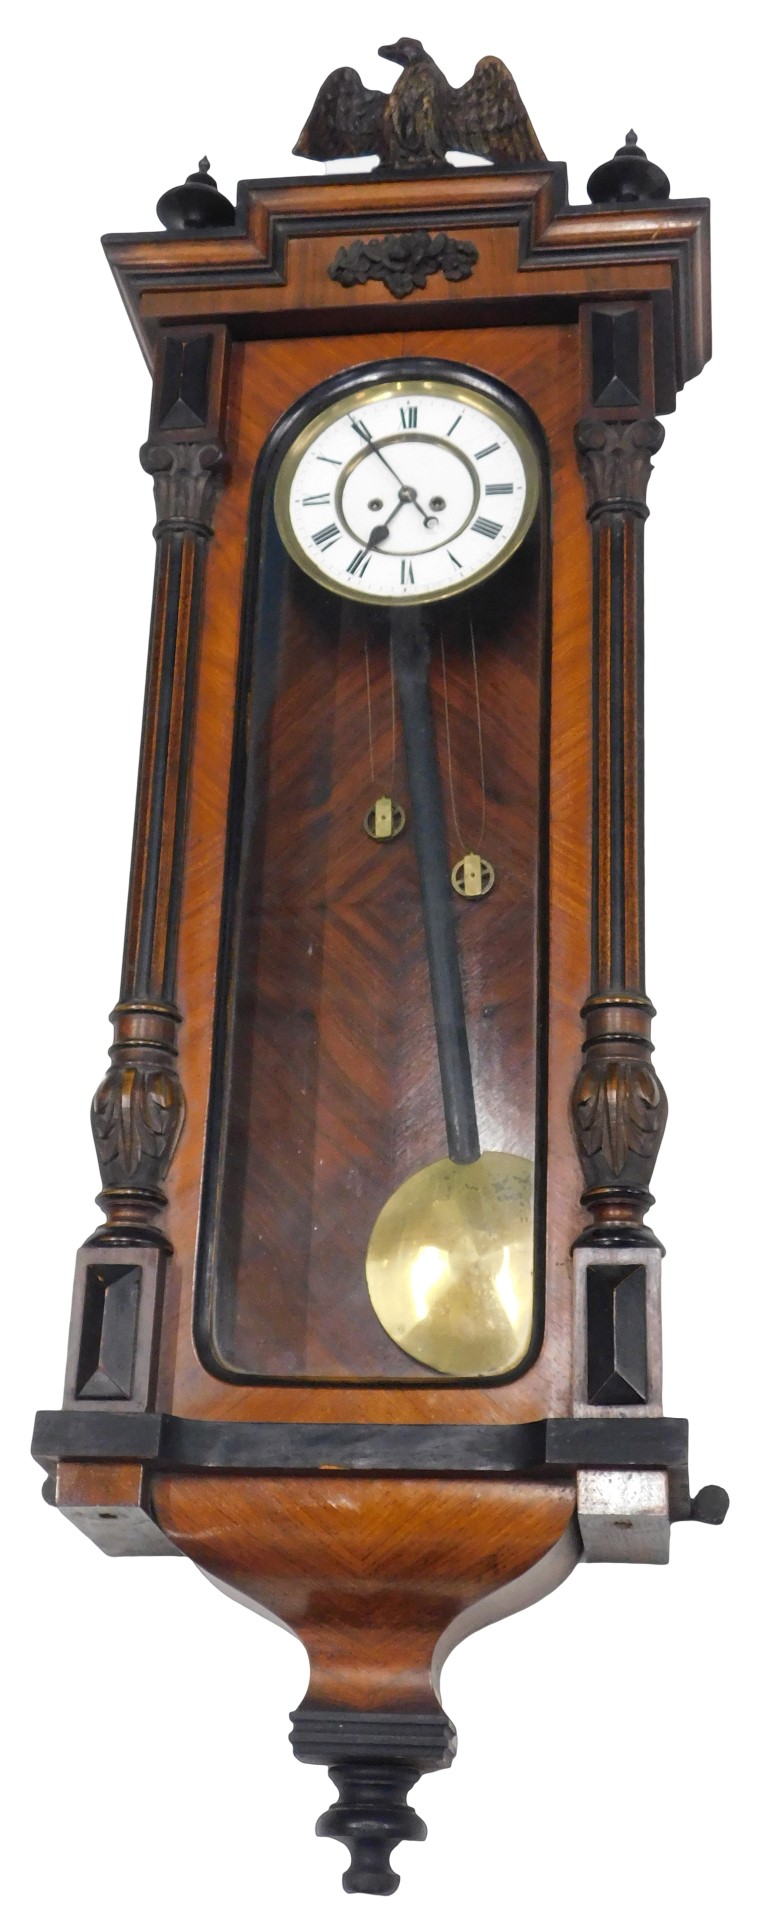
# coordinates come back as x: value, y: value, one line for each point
x: 411, y: 651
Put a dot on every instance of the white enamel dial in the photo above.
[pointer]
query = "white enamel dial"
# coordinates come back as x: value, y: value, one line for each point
x: 408, y: 491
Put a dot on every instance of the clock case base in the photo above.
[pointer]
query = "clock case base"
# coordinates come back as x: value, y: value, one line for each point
x: 218, y: 1488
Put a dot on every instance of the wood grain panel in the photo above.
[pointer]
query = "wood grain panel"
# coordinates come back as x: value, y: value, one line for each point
x: 348, y: 1567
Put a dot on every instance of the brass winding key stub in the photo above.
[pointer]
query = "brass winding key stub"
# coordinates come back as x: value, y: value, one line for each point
x: 472, y: 877
x: 385, y: 819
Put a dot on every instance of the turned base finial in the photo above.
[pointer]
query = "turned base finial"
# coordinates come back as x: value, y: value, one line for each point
x: 373, y: 1759
x: 370, y: 1818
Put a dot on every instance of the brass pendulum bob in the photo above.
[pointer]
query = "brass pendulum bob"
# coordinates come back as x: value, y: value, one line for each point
x: 450, y: 1259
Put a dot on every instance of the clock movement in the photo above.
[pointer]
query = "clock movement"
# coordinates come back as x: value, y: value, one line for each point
x: 371, y: 1328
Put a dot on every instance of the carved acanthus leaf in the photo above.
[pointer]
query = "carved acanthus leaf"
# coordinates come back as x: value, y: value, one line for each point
x: 137, y: 1117
x: 619, y: 1113
x: 187, y: 476
x: 616, y: 460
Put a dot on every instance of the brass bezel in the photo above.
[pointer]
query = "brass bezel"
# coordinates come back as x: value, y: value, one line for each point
x: 448, y: 389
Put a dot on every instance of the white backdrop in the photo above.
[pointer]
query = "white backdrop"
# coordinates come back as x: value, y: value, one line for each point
x: 603, y: 1734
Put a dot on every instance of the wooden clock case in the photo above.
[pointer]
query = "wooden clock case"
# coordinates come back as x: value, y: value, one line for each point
x: 383, y: 1514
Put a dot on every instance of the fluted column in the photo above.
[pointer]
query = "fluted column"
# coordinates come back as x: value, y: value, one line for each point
x: 619, y: 1106
x: 138, y: 1110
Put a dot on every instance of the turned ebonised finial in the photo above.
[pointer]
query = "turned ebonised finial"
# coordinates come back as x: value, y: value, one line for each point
x: 371, y: 1817
x: 196, y: 204
x: 629, y: 176
x: 374, y: 1759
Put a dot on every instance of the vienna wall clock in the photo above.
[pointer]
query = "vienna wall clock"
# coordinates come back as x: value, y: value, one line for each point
x: 371, y: 1328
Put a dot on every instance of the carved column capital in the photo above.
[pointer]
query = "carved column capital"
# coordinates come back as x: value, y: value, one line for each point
x: 615, y: 460
x: 187, y: 477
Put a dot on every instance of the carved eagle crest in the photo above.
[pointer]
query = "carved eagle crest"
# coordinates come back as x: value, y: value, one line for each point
x: 423, y: 118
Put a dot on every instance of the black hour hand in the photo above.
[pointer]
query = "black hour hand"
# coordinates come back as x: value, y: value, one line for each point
x: 378, y: 534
